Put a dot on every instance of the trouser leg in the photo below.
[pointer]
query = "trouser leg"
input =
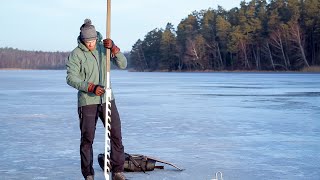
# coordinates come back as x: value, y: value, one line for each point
x: 117, y: 149
x: 88, y: 119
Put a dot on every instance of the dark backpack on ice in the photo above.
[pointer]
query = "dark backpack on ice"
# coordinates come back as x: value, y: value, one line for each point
x: 138, y: 162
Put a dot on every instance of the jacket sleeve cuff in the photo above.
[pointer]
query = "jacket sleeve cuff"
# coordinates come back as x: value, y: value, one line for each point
x: 84, y: 86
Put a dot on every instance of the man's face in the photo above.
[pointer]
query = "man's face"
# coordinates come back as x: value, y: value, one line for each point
x: 91, y: 45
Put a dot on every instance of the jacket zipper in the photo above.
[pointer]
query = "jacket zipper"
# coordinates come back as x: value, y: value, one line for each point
x: 99, y: 69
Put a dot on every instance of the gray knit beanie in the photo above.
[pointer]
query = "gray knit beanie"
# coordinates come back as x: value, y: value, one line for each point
x: 87, y: 31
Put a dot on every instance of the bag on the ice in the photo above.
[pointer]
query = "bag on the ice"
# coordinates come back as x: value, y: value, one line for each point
x: 138, y: 162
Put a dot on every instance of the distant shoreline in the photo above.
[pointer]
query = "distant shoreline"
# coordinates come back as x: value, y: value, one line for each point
x: 207, y: 71
x: 14, y: 69
x: 22, y: 69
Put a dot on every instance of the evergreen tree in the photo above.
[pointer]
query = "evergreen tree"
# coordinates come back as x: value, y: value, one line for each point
x: 186, y: 33
x: 310, y: 22
x: 208, y: 32
x: 137, y: 60
x: 150, y: 49
x: 169, y: 57
x: 223, y: 32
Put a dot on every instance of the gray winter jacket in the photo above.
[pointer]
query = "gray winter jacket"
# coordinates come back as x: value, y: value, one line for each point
x: 84, y: 66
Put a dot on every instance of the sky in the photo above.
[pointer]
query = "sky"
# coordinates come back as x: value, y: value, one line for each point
x: 43, y: 25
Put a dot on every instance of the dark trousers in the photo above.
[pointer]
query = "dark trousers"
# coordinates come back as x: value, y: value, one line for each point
x: 88, y: 119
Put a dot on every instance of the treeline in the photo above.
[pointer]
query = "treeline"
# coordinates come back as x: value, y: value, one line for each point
x: 260, y: 35
x: 20, y: 59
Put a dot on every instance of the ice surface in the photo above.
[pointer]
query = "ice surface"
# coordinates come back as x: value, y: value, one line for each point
x: 246, y: 125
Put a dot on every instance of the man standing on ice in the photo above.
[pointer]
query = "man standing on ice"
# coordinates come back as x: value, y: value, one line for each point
x: 86, y: 72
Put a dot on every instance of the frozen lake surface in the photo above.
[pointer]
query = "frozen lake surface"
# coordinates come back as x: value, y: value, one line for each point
x: 249, y: 126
